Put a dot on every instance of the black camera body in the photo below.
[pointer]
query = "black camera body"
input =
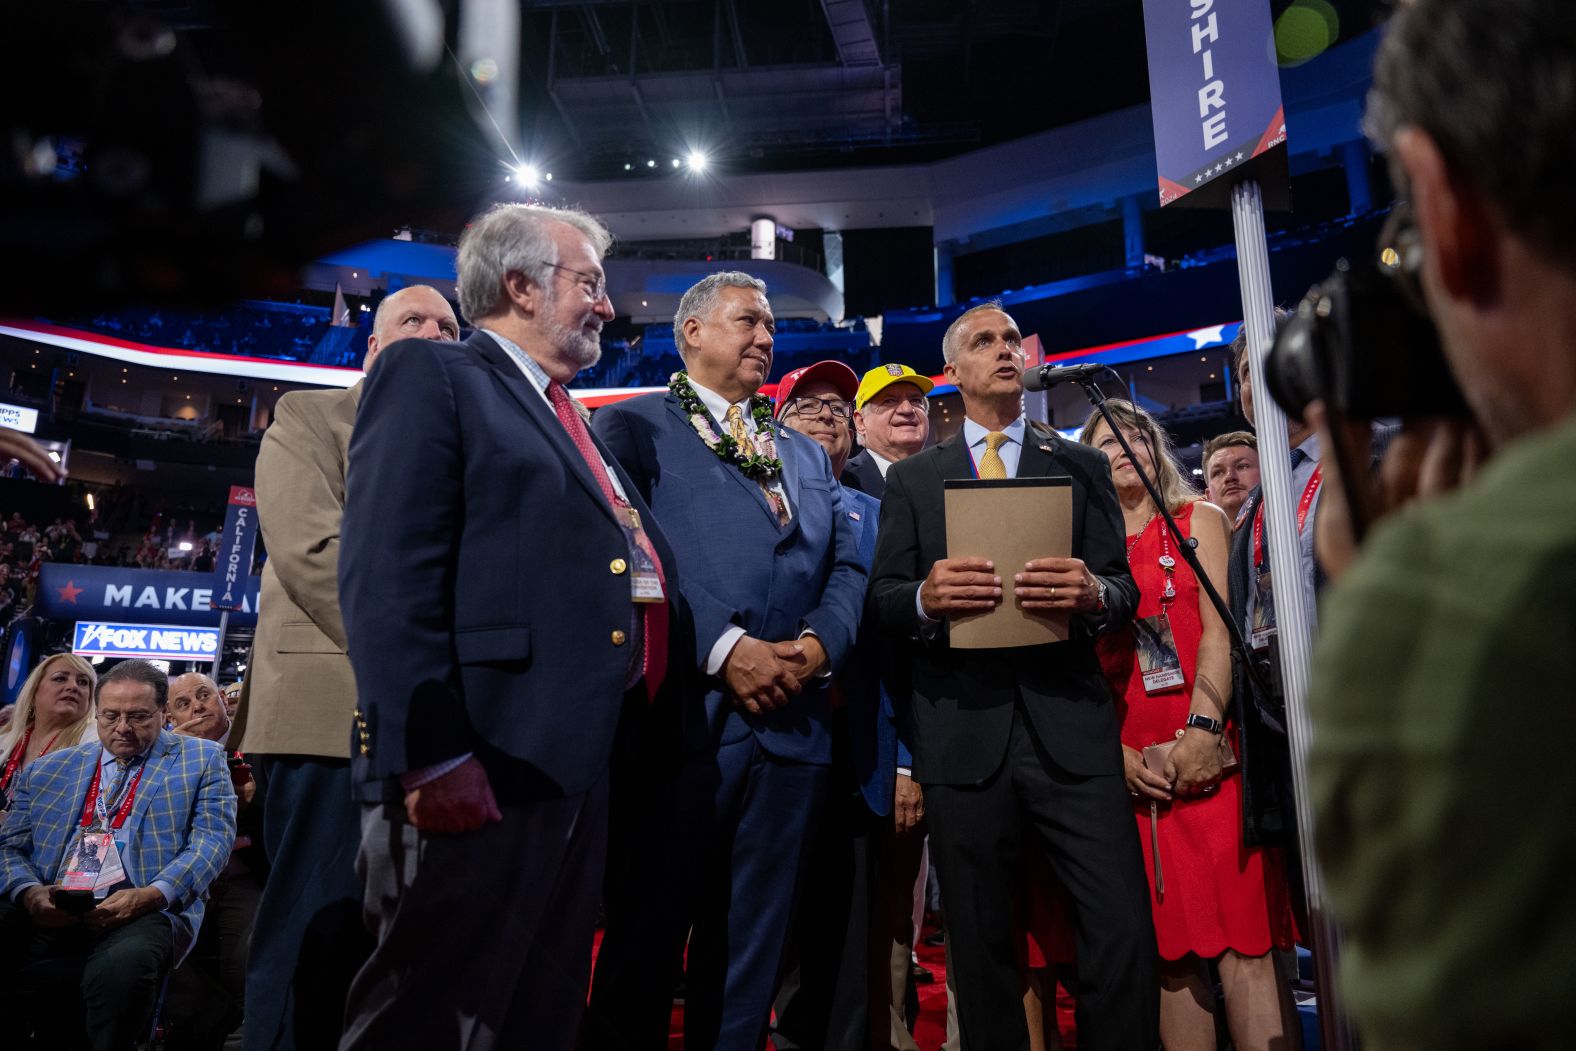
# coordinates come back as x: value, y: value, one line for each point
x: 1358, y: 343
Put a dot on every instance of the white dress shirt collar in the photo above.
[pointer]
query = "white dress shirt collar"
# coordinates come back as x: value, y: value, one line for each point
x: 718, y: 406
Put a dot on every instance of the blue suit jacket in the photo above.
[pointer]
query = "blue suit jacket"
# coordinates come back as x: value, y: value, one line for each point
x: 736, y: 565
x: 481, y: 576
x: 180, y: 829
x: 876, y: 740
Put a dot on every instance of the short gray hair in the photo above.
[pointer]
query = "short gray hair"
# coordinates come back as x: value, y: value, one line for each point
x: 1493, y: 84
x: 701, y: 299
x: 949, y: 342
x: 514, y: 237
x: 138, y: 671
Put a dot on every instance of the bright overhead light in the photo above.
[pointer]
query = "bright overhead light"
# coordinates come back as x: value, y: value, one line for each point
x: 548, y: 176
x: 696, y: 161
x: 527, y: 175
x: 651, y: 164
x: 676, y: 162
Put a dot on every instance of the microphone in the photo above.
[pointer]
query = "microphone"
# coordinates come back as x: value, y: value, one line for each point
x: 1047, y: 376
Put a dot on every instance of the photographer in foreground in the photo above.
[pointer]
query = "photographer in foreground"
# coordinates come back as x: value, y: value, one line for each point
x: 1441, y: 680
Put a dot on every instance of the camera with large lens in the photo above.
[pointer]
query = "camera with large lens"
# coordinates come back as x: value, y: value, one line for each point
x: 1364, y: 345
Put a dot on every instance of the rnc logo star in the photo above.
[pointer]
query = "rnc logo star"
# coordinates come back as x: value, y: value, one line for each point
x: 69, y: 593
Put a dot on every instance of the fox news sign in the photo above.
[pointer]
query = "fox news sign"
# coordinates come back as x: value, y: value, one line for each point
x: 168, y: 642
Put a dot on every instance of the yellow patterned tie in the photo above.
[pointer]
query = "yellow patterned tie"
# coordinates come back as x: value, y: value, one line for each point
x: 991, y: 465
x: 736, y: 427
x: 735, y: 422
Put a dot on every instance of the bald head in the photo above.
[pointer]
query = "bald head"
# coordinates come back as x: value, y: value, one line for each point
x: 414, y: 312
x: 197, y: 708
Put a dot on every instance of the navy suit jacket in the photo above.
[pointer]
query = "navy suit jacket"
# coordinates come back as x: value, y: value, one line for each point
x: 481, y: 577
x: 737, y: 566
x: 962, y: 702
x: 877, y: 741
x: 864, y: 474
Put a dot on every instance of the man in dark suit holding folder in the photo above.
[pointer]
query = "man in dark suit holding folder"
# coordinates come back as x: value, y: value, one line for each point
x: 1014, y: 739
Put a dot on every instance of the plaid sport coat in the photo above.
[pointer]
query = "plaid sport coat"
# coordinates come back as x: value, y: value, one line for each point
x: 180, y: 829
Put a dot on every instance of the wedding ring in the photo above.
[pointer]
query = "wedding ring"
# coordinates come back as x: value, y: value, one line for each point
x: 1053, y: 591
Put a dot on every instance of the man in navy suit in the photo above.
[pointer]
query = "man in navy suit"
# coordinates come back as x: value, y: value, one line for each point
x: 505, y: 595
x: 769, y: 569
x: 827, y: 994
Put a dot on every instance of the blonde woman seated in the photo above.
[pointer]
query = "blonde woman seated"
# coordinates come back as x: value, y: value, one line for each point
x: 54, y: 711
x: 1170, y: 672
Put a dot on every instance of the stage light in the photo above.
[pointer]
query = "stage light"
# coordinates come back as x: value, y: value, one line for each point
x: 697, y: 161
x: 548, y: 176
x: 185, y: 545
x: 676, y: 162
x: 91, y: 506
x: 651, y: 164
x: 628, y: 166
x: 528, y: 176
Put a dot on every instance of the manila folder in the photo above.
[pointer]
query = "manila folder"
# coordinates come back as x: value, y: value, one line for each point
x: 1010, y: 521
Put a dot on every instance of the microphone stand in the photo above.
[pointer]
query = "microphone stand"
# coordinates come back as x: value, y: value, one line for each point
x: 1241, y: 656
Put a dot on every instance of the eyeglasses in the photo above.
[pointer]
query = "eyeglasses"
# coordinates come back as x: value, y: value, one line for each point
x: 813, y: 406
x: 594, y: 285
x: 917, y: 402
x: 131, y: 718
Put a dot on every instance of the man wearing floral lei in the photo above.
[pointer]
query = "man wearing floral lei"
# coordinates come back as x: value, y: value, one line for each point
x: 767, y: 563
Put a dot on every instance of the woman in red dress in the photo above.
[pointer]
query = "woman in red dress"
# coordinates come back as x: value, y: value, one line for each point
x: 1170, y: 672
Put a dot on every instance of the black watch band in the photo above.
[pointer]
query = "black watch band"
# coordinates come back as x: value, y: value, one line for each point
x: 1204, y: 722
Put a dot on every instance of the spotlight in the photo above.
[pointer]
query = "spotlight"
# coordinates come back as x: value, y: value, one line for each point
x: 185, y: 545
x: 697, y: 161
x: 548, y: 176
x: 528, y: 176
x: 627, y: 167
x: 676, y: 162
x: 651, y: 164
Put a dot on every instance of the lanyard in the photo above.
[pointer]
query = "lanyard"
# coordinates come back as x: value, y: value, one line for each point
x: 1303, y: 506
x: 18, y: 752
x: 90, y: 807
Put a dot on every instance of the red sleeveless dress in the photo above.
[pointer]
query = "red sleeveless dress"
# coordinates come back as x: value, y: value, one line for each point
x: 1219, y: 894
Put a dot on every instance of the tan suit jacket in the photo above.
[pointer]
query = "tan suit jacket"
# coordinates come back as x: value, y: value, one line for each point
x: 302, y: 692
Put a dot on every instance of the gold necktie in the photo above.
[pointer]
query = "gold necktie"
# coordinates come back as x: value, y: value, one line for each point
x: 991, y: 465
x: 736, y: 427
x: 735, y: 423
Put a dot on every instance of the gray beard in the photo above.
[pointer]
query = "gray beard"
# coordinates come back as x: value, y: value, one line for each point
x: 585, y: 351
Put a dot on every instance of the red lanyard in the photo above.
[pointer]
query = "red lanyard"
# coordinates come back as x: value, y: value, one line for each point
x: 16, y: 757
x: 1303, y: 507
x: 125, y: 804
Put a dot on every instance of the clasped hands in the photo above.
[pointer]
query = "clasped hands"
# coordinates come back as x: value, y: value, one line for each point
x: 971, y: 585
x: 1193, y: 768
x: 762, y: 676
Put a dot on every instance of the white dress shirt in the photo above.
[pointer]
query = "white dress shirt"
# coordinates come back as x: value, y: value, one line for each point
x: 1010, y: 452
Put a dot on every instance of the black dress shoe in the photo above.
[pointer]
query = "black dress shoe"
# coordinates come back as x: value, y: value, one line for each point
x: 923, y: 975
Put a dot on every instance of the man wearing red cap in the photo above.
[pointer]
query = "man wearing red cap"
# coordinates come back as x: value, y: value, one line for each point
x: 825, y: 1000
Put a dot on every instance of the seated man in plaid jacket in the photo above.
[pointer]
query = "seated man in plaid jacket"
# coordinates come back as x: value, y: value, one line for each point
x: 106, y: 857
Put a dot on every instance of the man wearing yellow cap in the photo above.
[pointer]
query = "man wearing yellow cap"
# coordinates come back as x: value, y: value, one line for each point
x: 893, y: 421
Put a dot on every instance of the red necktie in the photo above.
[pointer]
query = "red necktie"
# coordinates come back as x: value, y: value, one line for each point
x: 654, y: 661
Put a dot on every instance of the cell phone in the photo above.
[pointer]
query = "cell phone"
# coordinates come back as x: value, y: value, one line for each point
x: 75, y: 902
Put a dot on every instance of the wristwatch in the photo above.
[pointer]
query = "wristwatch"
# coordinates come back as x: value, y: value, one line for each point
x: 1204, y: 722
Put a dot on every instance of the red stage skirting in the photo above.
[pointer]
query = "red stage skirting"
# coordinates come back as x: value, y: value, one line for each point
x: 930, y: 1031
